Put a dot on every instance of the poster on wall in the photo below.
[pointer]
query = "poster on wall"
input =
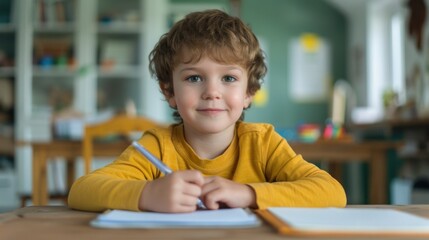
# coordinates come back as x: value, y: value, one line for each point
x: 309, y: 69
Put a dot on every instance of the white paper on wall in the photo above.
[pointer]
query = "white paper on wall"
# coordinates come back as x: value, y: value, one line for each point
x: 309, y: 69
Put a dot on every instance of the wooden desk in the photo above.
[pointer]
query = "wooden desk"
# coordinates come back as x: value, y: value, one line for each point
x: 53, y: 222
x: 333, y: 152
x: 70, y: 150
x: 337, y: 152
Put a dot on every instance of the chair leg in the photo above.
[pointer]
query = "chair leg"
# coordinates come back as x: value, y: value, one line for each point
x: 24, y: 201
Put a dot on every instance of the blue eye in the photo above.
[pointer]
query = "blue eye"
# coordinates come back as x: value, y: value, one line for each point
x: 194, y: 78
x: 229, y: 79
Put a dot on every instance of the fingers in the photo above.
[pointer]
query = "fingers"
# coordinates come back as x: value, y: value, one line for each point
x: 181, y: 202
x: 191, y: 190
x: 179, y: 192
x: 176, y: 192
x: 213, y: 183
x: 191, y: 176
x: 213, y: 192
x: 184, y: 203
x: 219, y: 192
x: 186, y: 187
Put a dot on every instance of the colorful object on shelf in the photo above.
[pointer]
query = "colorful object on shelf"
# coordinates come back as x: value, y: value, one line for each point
x: 46, y: 62
x: 309, y: 132
x: 333, y: 131
x: 61, y: 60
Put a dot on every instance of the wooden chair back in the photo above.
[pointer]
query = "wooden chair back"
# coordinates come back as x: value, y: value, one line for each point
x: 118, y: 125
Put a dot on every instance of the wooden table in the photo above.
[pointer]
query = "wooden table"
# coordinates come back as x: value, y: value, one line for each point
x: 69, y: 150
x: 334, y: 152
x: 338, y: 152
x: 54, y: 222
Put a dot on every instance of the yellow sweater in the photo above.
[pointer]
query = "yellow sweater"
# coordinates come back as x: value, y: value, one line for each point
x: 257, y: 156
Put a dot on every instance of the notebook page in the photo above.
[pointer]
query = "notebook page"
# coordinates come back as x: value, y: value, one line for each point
x: 351, y: 220
x: 224, y: 217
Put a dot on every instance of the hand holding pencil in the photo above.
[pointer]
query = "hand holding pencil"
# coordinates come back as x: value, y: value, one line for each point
x: 176, y: 192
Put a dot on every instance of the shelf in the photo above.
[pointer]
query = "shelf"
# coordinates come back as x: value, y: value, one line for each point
x: 70, y: 56
x: 393, y: 124
x: 7, y: 146
x: 53, y: 72
x: 119, y: 72
x: 415, y: 156
x: 8, y: 33
x: 7, y: 71
x: 60, y: 28
x: 412, y: 123
x: 7, y: 28
x: 4, y: 117
x: 120, y: 28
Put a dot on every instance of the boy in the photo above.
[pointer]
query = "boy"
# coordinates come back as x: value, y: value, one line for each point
x: 209, y: 66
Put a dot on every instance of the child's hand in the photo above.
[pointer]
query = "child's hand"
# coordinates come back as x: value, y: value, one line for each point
x: 218, y: 191
x: 176, y: 192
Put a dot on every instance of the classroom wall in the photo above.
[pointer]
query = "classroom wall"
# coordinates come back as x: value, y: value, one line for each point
x: 277, y: 22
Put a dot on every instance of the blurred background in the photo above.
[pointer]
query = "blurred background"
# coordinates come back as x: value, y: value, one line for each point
x: 351, y: 70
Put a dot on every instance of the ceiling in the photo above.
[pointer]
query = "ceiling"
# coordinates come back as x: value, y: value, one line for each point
x: 349, y: 7
x: 355, y: 8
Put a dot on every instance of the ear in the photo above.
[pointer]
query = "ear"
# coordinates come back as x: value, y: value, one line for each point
x: 168, y: 96
x: 172, y: 102
x: 248, y: 100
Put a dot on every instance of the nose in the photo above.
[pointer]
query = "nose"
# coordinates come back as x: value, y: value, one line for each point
x: 211, y: 90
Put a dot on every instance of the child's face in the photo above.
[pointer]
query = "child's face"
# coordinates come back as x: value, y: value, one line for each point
x: 209, y: 96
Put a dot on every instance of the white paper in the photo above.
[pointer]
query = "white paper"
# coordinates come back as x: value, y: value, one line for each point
x: 309, y: 72
x: 235, y: 217
x: 351, y: 220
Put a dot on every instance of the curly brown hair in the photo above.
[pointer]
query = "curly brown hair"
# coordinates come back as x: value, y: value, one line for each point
x: 213, y: 33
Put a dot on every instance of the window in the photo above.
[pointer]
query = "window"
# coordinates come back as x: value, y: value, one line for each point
x: 398, y: 76
x: 385, y: 51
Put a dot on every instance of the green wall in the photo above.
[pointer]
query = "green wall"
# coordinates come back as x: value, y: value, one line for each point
x: 278, y: 21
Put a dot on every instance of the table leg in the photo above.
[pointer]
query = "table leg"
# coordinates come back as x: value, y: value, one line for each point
x: 71, y: 167
x: 378, y: 181
x: 336, y: 170
x: 36, y: 176
x: 39, y: 192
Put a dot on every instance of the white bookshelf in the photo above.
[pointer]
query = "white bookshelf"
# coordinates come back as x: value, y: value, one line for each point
x: 85, y: 76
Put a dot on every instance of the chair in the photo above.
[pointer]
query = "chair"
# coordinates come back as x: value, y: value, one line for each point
x: 118, y: 125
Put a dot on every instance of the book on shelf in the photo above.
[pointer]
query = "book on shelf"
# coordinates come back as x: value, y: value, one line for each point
x: 117, y: 52
x: 54, y: 11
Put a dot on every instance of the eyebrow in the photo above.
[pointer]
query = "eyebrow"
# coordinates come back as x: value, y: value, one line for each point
x: 233, y: 68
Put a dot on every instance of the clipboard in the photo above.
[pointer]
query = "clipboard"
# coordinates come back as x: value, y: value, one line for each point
x: 313, y: 222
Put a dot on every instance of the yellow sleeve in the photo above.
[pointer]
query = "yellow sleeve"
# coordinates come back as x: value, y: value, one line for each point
x: 292, y: 181
x: 119, y: 184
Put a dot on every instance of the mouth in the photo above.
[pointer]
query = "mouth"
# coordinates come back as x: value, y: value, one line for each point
x: 210, y: 110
